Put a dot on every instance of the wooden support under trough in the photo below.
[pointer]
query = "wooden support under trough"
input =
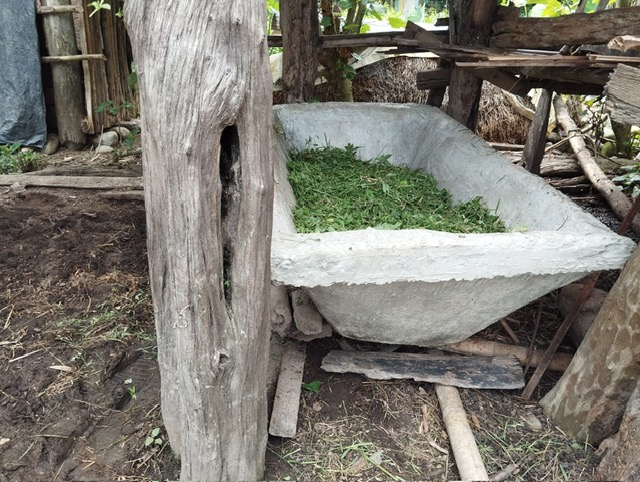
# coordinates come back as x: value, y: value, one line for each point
x: 466, y: 372
x: 284, y: 416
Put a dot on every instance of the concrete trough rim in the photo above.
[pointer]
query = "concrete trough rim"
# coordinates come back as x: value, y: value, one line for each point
x: 379, y: 257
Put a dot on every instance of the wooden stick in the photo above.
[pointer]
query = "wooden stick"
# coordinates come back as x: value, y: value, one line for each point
x: 71, y: 58
x: 475, y: 346
x: 463, y: 444
x: 58, y: 9
x: 509, y: 331
x: 618, y: 201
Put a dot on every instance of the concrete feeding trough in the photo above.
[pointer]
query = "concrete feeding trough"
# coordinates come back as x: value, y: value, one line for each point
x: 423, y: 287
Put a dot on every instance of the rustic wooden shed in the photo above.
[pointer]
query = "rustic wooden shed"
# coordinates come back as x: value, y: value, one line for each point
x: 88, y: 73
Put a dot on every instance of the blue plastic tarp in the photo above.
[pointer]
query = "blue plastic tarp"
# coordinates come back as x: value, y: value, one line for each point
x: 22, y: 115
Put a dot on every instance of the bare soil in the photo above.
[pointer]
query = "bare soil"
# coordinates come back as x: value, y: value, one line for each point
x: 79, y: 384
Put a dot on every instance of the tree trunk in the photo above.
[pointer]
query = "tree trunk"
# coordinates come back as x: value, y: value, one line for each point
x: 206, y: 114
x: 621, y: 461
x: 470, y: 24
x: 590, y: 398
x: 67, y: 76
x: 299, y: 19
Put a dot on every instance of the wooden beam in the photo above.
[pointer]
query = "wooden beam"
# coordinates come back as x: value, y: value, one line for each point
x: 436, y: 93
x: 623, y: 98
x: 575, y: 29
x: 534, y: 146
x: 471, y: 22
x: 625, y: 42
x: 433, y: 79
x: 378, y: 39
x: 76, y: 182
x: 467, y: 372
x: 43, y: 9
x: 504, y: 80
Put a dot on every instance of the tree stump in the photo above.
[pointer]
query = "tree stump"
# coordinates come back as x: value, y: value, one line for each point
x: 205, y: 95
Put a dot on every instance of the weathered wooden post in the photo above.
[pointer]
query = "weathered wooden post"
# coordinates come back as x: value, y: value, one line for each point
x: 67, y: 75
x: 470, y: 24
x: 205, y: 93
x: 300, y: 30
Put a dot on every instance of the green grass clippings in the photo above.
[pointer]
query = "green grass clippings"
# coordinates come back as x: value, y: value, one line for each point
x: 335, y: 191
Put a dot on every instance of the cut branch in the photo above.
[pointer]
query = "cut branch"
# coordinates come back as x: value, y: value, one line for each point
x: 619, y: 202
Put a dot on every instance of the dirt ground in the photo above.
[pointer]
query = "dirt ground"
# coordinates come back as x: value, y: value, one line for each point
x: 79, y: 385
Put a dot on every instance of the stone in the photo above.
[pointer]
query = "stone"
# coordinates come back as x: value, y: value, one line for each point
x: 108, y: 138
x: 306, y: 316
x: 104, y: 149
x: 122, y: 132
x: 52, y: 145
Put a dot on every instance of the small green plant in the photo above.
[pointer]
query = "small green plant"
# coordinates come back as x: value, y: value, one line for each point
x: 97, y: 6
x: 629, y: 181
x: 130, y: 140
x: 313, y: 386
x: 154, y: 439
x: 131, y: 388
x: 111, y: 108
x: 14, y: 160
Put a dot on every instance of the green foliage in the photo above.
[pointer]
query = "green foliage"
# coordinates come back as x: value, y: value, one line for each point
x: 335, y: 191
x: 629, y: 181
x: 97, y: 6
x: 154, y: 439
x: 313, y: 386
x: 14, y: 160
x: 111, y: 108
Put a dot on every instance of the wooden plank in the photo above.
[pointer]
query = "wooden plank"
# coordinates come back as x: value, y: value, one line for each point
x: 284, y: 416
x: 379, y: 39
x: 432, y: 79
x: 575, y: 29
x: 467, y: 372
x: 504, y: 80
x: 625, y: 42
x: 623, y: 96
x: 77, y: 182
x: 534, y: 146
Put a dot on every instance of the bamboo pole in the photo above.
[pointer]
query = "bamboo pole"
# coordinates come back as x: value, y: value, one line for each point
x: 463, y: 444
x: 472, y: 346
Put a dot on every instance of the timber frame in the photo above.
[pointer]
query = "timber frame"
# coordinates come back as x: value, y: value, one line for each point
x: 97, y: 53
x: 497, y: 46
